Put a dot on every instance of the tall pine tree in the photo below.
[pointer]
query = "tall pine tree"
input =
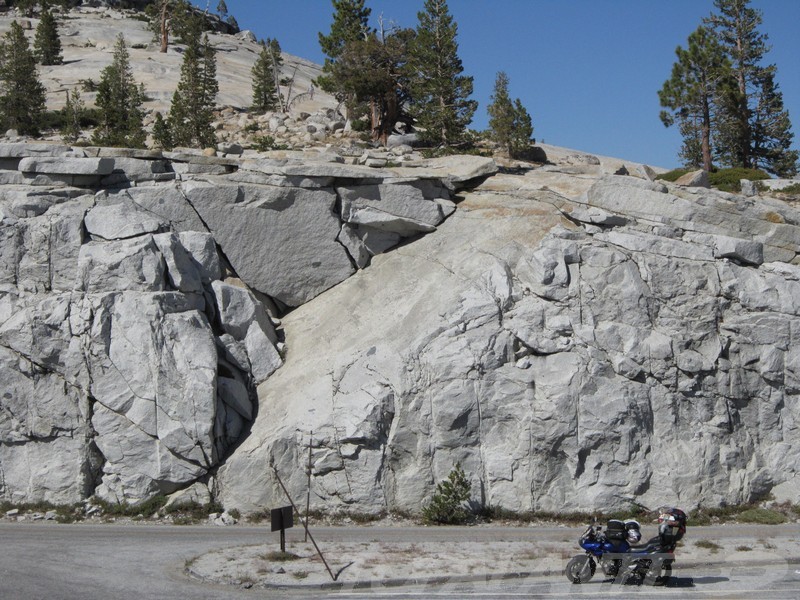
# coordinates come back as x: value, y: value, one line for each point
x: 191, y: 111
x: 119, y: 101
x: 440, y: 93
x: 22, y: 95
x: 372, y: 74
x: 771, y: 129
x: 266, y: 75
x: 509, y: 122
x: 737, y: 26
x: 46, y: 43
x: 700, y: 78
x: 71, y: 115
x: 350, y: 25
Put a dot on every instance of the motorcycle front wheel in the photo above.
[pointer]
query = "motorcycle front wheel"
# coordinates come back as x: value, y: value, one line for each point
x: 580, y: 569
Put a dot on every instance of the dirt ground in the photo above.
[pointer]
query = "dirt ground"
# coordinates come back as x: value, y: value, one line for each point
x: 384, y: 561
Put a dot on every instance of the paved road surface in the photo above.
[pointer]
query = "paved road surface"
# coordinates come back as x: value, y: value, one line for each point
x: 137, y: 562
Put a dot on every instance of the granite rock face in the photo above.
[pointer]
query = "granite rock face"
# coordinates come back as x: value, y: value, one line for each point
x: 138, y: 315
x: 571, y: 340
x: 621, y: 341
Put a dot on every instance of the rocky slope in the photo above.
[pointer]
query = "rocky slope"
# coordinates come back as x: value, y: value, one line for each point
x: 572, y: 340
x: 139, y: 294
x: 88, y: 35
x: 571, y: 335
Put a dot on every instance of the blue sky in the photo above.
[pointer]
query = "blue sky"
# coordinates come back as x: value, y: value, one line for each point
x: 588, y: 71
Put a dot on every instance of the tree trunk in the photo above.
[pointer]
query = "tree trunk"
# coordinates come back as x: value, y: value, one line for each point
x: 706, y: 136
x: 164, y: 28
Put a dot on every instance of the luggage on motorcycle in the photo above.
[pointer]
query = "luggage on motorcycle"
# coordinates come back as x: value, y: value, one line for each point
x: 671, y: 527
x: 615, y: 530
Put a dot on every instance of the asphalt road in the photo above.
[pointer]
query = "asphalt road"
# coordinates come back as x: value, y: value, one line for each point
x: 104, y: 562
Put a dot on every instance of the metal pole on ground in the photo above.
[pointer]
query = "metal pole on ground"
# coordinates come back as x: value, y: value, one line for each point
x: 305, y: 524
x: 308, y: 471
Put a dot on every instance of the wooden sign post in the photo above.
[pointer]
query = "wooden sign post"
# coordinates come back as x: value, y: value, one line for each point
x: 282, y: 519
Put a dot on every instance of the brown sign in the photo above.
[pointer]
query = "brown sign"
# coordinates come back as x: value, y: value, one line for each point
x: 282, y: 518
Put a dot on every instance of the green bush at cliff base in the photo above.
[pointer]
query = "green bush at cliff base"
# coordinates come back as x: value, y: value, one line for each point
x: 726, y: 180
x: 447, y: 504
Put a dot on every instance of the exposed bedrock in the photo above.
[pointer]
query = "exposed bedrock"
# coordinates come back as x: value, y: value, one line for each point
x: 622, y: 342
x: 139, y: 313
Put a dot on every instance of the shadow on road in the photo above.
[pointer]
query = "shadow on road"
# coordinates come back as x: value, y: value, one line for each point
x: 707, y: 580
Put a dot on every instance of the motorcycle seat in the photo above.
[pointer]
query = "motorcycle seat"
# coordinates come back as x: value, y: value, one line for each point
x: 652, y: 546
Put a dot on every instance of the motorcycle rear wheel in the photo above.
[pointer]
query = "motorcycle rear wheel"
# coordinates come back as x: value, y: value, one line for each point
x: 653, y: 577
x: 580, y: 569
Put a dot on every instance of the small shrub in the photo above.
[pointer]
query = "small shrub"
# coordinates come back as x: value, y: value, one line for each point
x: 300, y: 574
x: 234, y: 512
x: 726, y: 180
x: 708, y: 545
x: 252, y: 128
x: 259, y: 516
x: 743, y: 548
x: 674, y: 175
x: 265, y: 143
x: 762, y: 516
x: 366, y: 517
x: 790, y: 190
x: 729, y: 180
x: 278, y: 556
x: 447, y: 505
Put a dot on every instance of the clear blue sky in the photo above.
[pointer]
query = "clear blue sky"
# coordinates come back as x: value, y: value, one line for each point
x: 588, y: 71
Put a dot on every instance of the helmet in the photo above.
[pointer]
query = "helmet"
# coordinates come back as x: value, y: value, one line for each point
x: 671, y: 524
x: 632, y: 531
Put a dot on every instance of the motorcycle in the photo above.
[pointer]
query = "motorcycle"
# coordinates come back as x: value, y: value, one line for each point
x: 619, y: 558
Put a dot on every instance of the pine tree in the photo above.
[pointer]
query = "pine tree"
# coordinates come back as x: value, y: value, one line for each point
x: 266, y: 77
x: 119, y: 101
x: 72, y: 113
x: 22, y: 95
x: 509, y: 122
x: 700, y: 78
x: 771, y: 130
x: 161, y: 133
x: 191, y: 111
x: 372, y: 75
x: 47, y: 44
x: 222, y: 9
x: 523, y: 129
x: 350, y: 24
x: 736, y: 25
x: 176, y: 17
x: 440, y: 93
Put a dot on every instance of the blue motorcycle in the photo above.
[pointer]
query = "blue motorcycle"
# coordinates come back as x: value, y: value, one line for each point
x: 619, y: 556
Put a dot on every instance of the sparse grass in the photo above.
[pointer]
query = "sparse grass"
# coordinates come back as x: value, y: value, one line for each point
x: 124, y: 509
x: 362, y: 518
x: 300, y: 574
x: 278, y: 556
x: 762, y: 516
x: 258, y: 516
x: 708, y: 545
x: 766, y: 544
x: 743, y: 548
